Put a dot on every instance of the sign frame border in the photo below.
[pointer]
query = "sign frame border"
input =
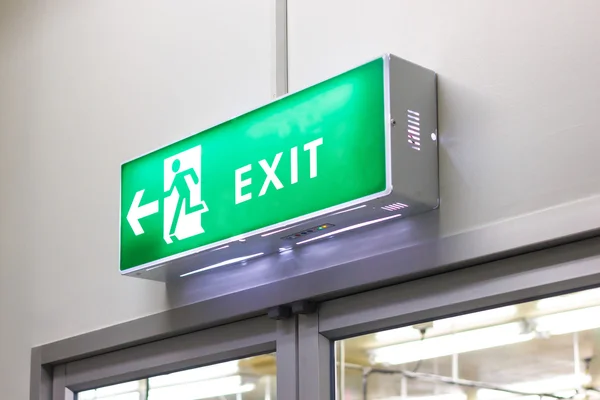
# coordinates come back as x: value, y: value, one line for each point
x: 294, y: 221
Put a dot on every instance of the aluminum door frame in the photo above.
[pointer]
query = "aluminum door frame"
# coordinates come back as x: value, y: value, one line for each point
x: 558, y: 270
x: 233, y: 341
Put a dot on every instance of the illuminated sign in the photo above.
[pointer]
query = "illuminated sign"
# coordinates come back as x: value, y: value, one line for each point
x: 311, y: 154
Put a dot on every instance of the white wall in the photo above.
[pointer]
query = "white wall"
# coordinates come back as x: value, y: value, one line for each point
x: 518, y: 90
x: 85, y: 85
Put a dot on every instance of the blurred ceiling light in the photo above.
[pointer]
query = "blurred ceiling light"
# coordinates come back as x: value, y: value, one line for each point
x: 569, y: 300
x: 479, y: 318
x: 447, y: 396
x: 489, y: 394
x: 196, y: 374
x: 109, y: 392
x: 91, y: 395
x: 563, y: 385
x: 569, y: 321
x: 447, y: 325
x: 406, y: 334
x: 202, y: 390
x: 462, y: 342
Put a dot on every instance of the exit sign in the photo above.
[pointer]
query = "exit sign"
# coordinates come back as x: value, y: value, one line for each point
x: 279, y: 168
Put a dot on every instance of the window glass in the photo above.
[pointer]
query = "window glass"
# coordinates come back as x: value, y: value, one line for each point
x: 252, y: 378
x: 542, y: 350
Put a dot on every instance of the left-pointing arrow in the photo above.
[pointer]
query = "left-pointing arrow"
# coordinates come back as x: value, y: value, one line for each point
x: 137, y: 212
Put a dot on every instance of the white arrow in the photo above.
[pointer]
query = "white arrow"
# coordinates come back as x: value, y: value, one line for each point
x: 137, y: 212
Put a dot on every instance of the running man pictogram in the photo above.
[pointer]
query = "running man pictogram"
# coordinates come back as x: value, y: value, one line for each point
x: 182, y: 204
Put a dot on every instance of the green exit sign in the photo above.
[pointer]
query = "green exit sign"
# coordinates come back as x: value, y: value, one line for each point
x: 315, y: 163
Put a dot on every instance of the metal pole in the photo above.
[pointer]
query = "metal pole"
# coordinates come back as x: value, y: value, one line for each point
x: 436, y: 371
x: 365, y: 382
x: 268, y: 387
x: 577, y: 361
x: 280, y: 49
x: 342, y: 370
x: 593, y: 367
x: 336, y: 351
x: 144, y: 388
x: 455, y: 366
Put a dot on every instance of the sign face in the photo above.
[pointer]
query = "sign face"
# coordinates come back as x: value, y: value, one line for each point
x: 298, y: 157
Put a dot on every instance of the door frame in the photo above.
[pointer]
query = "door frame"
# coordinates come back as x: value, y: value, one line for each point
x: 408, y: 251
x: 545, y: 273
x: 304, y: 342
x: 229, y: 342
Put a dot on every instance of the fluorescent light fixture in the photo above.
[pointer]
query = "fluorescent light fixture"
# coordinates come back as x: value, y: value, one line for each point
x: 93, y: 395
x: 350, y: 209
x: 447, y: 325
x: 447, y: 396
x: 124, y: 396
x: 228, y: 262
x: 480, y: 318
x: 108, y: 392
x: 196, y: 374
x: 117, y: 389
x: 348, y: 228
x: 202, y: 390
x: 569, y: 321
x: 87, y: 395
x: 406, y: 334
x: 563, y: 384
x: 489, y: 394
x: 462, y: 342
x: 569, y: 300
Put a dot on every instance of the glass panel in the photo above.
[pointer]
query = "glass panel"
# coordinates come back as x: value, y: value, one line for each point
x: 542, y: 350
x: 252, y: 378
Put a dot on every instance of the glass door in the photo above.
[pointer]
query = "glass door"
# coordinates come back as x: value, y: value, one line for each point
x: 545, y: 349
x: 252, y: 378
x: 524, y: 328
x: 253, y: 359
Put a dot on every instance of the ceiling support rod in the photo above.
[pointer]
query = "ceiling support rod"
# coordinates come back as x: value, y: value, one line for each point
x: 280, y: 49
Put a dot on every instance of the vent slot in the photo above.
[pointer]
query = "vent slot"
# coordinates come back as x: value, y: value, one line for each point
x: 394, y: 207
x: 413, y: 129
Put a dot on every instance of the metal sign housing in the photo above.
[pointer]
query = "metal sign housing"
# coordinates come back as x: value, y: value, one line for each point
x: 350, y: 152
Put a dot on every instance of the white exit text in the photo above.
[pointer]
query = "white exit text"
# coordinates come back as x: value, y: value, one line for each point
x: 270, y: 171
